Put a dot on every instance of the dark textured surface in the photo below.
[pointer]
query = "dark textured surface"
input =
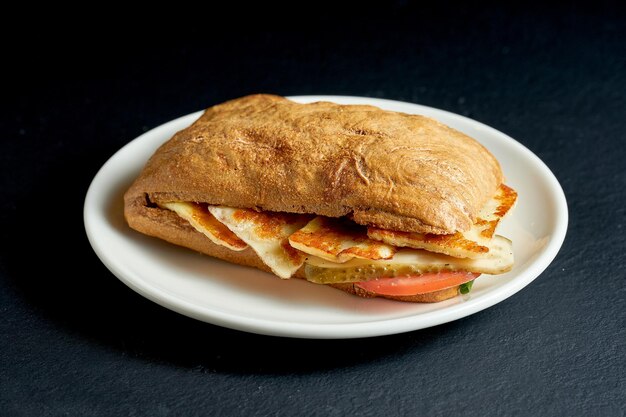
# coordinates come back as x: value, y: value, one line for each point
x: 75, y: 341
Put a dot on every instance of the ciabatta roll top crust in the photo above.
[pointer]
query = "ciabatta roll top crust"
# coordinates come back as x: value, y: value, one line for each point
x: 390, y: 170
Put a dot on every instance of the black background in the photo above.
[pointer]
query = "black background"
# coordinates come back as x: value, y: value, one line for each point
x: 75, y: 341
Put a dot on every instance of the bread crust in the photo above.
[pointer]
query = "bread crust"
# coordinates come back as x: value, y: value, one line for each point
x: 386, y: 169
x: 167, y: 225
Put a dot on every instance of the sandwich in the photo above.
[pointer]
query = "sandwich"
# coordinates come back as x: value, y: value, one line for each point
x: 371, y: 202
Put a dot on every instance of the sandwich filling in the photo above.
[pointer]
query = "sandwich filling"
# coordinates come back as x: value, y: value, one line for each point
x: 337, y: 250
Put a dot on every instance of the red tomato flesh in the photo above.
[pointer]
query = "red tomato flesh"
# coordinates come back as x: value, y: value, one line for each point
x: 417, y: 284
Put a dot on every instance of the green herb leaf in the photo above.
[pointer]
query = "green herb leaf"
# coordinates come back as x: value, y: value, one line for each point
x: 466, y: 288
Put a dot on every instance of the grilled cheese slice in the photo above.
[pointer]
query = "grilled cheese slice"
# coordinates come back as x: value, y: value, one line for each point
x: 204, y: 222
x: 476, y: 243
x: 338, y: 240
x: 267, y: 233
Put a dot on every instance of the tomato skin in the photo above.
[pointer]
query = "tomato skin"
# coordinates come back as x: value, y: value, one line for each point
x: 417, y: 284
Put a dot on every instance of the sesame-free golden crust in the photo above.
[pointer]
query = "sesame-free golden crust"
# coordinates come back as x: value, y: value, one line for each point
x: 167, y: 225
x: 386, y: 169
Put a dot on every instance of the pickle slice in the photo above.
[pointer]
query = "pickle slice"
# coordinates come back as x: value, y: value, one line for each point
x: 407, y: 262
x: 361, y: 273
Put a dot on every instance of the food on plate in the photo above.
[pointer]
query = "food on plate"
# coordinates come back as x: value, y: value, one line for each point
x: 372, y: 202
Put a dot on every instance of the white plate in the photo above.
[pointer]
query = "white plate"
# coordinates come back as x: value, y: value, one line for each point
x: 250, y: 300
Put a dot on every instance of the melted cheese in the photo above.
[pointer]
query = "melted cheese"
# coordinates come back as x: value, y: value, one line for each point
x: 204, y: 222
x: 338, y: 240
x: 476, y: 243
x: 267, y: 233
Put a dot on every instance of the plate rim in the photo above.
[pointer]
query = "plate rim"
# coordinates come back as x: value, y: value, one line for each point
x: 336, y: 330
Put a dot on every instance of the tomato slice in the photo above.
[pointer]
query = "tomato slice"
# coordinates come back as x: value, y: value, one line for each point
x: 417, y: 284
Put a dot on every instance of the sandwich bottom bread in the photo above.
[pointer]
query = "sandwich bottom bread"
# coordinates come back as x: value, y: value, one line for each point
x: 370, y: 202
